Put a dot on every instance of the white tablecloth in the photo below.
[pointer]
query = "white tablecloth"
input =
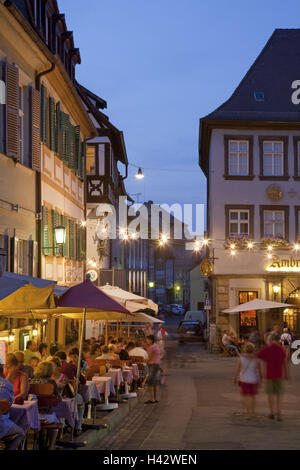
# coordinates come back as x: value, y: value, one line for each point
x: 26, y: 416
x: 116, y: 375
x: 104, y: 385
x: 93, y: 393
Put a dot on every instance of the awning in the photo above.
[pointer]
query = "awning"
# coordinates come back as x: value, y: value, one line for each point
x: 256, y: 304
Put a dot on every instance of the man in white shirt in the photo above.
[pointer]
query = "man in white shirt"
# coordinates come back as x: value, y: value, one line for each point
x: 227, y: 341
x: 138, y: 351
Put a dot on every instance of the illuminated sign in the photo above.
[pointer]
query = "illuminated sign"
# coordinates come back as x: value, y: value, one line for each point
x: 284, y: 265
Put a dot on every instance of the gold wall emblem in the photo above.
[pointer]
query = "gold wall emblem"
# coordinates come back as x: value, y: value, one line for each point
x: 274, y: 192
x: 206, y: 267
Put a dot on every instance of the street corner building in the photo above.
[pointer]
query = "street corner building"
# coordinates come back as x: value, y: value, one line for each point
x: 249, y: 150
x: 43, y: 129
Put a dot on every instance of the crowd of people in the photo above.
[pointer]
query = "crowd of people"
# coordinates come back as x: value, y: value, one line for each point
x: 262, y: 358
x: 38, y: 365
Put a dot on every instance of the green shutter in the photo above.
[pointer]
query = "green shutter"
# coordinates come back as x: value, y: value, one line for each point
x: 65, y: 138
x: 72, y: 240
x: 45, y: 231
x: 82, y: 243
x: 73, y: 156
x: 78, y: 152
x: 57, y: 129
x: 52, y: 137
x: 44, y: 114
x: 64, y: 222
x: 55, y: 223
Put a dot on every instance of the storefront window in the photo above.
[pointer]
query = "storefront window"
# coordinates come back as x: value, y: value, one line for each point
x: 290, y: 319
x: 248, y: 320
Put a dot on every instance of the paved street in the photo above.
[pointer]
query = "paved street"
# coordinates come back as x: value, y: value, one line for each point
x: 200, y: 409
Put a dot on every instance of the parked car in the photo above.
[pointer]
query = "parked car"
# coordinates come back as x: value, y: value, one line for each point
x: 177, y: 309
x: 191, y: 331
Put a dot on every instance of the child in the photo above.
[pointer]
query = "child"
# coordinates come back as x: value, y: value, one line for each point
x: 249, y: 372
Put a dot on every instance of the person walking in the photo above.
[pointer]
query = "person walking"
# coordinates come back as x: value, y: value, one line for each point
x: 286, y: 341
x: 274, y: 358
x: 248, y: 374
x: 153, y: 378
x: 161, y: 336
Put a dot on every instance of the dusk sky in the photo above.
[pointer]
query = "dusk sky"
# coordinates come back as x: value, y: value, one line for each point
x: 163, y: 64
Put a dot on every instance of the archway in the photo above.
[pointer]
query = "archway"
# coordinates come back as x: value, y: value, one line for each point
x: 291, y: 315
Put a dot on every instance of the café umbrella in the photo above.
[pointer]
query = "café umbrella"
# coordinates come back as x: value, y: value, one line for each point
x: 84, y: 301
x: 256, y: 304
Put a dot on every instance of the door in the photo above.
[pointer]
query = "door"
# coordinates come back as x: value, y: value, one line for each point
x: 248, y: 320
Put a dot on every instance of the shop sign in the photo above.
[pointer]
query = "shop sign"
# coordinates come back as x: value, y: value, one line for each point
x: 284, y: 265
x: 206, y: 267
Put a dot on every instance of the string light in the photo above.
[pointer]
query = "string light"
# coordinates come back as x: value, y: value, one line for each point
x: 270, y: 248
x: 296, y: 247
x: 232, y: 246
x: 250, y: 245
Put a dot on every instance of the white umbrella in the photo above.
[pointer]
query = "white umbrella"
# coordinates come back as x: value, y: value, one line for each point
x: 256, y: 304
x: 140, y: 317
x: 127, y: 299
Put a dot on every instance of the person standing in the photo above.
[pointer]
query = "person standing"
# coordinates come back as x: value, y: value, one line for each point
x: 286, y: 341
x: 248, y: 371
x: 153, y: 378
x: 161, y: 336
x: 31, y: 350
x: 274, y: 357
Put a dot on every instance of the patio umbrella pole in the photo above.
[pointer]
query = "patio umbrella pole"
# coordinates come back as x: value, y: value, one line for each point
x: 79, y: 364
x: 106, y: 333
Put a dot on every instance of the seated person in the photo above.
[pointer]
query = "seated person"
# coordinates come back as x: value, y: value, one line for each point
x: 138, y: 351
x: 60, y: 379
x: 7, y: 427
x: 95, y: 352
x: 43, y: 352
x: 107, y: 354
x: 27, y: 369
x: 18, y: 379
x: 227, y: 341
x: 43, y: 376
x: 122, y: 352
x: 31, y: 350
x: 34, y: 362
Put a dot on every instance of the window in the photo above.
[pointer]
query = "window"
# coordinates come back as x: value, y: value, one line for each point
x: 91, y: 160
x: 297, y: 223
x: 274, y: 222
x: 273, y: 158
x: 297, y: 157
x: 239, y: 221
x: 238, y: 157
x: 248, y: 320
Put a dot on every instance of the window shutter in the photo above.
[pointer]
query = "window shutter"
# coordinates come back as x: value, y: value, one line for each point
x: 2, y: 107
x: 72, y: 240
x: 77, y: 149
x: 65, y: 137
x: 35, y: 259
x: 52, y: 136
x: 35, y: 130
x: 45, y: 231
x: 14, y: 254
x: 44, y: 114
x: 12, y: 112
x: 57, y: 130
x: 64, y: 222
x: 73, y: 156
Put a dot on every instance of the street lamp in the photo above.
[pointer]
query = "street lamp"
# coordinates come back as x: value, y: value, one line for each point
x: 151, y: 284
x: 139, y: 174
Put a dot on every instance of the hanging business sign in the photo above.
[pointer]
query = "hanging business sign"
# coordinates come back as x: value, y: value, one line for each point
x: 206, y: 267
x: 284, y: 265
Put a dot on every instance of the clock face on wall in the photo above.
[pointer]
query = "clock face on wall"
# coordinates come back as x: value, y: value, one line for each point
x: 274, y: 192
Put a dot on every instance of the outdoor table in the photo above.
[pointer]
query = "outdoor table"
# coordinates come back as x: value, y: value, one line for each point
x: 93, y: 393
x: 26, y: 416
x: 116, y: 375
x: 127, y: 375
x: 105, y: 387
x: 65, y: 409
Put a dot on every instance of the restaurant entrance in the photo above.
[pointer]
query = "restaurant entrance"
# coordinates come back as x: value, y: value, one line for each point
x: 291, y: 314
x: 248, y: 320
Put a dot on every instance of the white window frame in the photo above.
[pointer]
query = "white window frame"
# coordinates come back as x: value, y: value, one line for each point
x: 238, y: 152
x: 272, y: 154
x: 273, y: 222
x: 239, y: 221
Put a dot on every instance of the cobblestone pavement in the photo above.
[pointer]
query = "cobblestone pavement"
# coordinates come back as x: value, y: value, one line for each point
x: 200, y: 409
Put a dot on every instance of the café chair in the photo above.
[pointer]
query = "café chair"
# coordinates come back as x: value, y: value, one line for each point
x: 46, y: 398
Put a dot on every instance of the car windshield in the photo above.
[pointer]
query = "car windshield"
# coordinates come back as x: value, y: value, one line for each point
x: 190, y: 326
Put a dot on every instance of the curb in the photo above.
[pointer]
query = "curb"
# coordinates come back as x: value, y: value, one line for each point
x: 112, y: 420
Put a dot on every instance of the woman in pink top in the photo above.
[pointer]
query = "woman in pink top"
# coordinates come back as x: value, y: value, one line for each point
x: 153, y: 379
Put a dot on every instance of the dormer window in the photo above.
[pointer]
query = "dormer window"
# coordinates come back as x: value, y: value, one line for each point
x: 259, y: 96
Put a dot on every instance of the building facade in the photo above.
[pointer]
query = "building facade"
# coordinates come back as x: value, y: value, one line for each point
x: 43, y: 128
x: 250, y: 153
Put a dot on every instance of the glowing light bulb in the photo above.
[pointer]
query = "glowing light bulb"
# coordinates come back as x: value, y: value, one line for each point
x: 250, y: 245
x: 232, y: 246
x: 205, y: 242
x: 270, y: 248
x: 297, y: 246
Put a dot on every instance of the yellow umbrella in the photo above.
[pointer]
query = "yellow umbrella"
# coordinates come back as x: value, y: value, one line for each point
x: 26, y: 300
